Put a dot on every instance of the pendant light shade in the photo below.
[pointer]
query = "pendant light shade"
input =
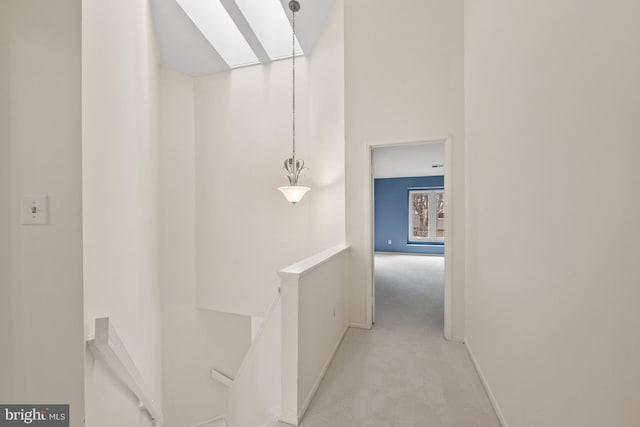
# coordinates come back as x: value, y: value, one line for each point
x: 294, y: 193
x: 292, y: 166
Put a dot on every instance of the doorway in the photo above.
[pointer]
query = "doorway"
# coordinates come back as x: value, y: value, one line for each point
x: 424, y: 237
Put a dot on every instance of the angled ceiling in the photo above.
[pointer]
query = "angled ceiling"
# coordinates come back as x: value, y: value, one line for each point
x: 200, y: 37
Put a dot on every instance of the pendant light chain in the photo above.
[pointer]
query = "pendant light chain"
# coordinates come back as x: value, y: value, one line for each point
x: 293, y: 166
x: 293, y: 57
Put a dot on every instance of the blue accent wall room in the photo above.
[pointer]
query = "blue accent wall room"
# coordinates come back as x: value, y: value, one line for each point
x: 391, y: 213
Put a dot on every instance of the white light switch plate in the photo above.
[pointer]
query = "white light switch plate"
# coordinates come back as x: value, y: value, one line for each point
x: 35, y: 210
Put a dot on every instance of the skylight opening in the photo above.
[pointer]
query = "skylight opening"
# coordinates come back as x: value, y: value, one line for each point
x: 270, y: 24
x: 213, y: 20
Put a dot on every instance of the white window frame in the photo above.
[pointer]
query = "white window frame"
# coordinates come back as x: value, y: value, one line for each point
x: 433, y: 216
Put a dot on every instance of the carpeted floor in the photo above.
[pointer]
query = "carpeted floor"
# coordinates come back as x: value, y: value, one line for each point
x: 402, y: 372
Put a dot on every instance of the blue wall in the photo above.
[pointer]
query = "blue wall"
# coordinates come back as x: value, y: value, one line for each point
x: 392, y: 214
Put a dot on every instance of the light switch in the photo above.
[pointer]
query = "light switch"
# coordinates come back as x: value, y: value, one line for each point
x: 35, y: 210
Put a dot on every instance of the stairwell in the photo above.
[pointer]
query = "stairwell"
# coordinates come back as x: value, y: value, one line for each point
x: 293, y: 346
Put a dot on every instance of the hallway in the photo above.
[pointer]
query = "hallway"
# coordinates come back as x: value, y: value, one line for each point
x: 402, y: 372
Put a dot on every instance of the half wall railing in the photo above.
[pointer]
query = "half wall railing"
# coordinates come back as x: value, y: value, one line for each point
x: 108, y: 347
x: 298, y: 338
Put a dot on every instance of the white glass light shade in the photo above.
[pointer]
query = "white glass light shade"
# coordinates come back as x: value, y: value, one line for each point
x: 294, y: 193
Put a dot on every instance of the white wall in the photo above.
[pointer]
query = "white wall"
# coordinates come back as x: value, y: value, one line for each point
x: 408, y: 160
x: 326, y: 168
x: 120, y: 185
x: 323, y: 320
x: 40, y: 135
x: 314, y: 319
x: 193, y: 340
x: 552, y: 96
x: 404, y: 82
x: 5, y: 209
x: 246, y: 229
x: 254, y: 397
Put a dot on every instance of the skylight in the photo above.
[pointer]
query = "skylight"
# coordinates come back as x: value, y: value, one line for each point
x: 216, y: 25
x: 270, y: 24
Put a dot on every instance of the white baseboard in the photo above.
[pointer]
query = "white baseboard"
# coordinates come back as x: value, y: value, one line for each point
x: 485, y: 384
x: 288, y: 419
x: 211, y: 421
x: 323, y: 371
x: 358, y: 325
x: 456, y: 339
x: 221, y: 378
x: 407, y: 253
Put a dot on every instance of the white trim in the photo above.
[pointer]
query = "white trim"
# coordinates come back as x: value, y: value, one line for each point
x: 108, y: 347
x: 433, y: 217
x: 309, y: 264
x: 288, y: 418
x: 221, y: 378
x: 449, y: 232
x: 212, y: 420
x: 359, y: 326
x: 407, y: 254
x: 323, y: 371
x: 368, y: 235
x: 448, y: 209
x: 485, y: 384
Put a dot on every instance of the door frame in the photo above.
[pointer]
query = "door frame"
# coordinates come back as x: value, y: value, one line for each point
x: 369, y: 224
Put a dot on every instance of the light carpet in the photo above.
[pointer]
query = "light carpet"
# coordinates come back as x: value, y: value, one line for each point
x: 402, y: 372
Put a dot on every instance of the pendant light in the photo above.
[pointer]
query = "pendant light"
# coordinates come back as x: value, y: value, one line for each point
x: 293, y: 166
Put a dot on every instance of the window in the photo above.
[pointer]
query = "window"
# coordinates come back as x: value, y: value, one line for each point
x: 266, y: 18
x: 426, y: 216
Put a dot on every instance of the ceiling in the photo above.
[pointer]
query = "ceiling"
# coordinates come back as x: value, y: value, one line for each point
x: 408, y: 160
x: 184, y: 41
